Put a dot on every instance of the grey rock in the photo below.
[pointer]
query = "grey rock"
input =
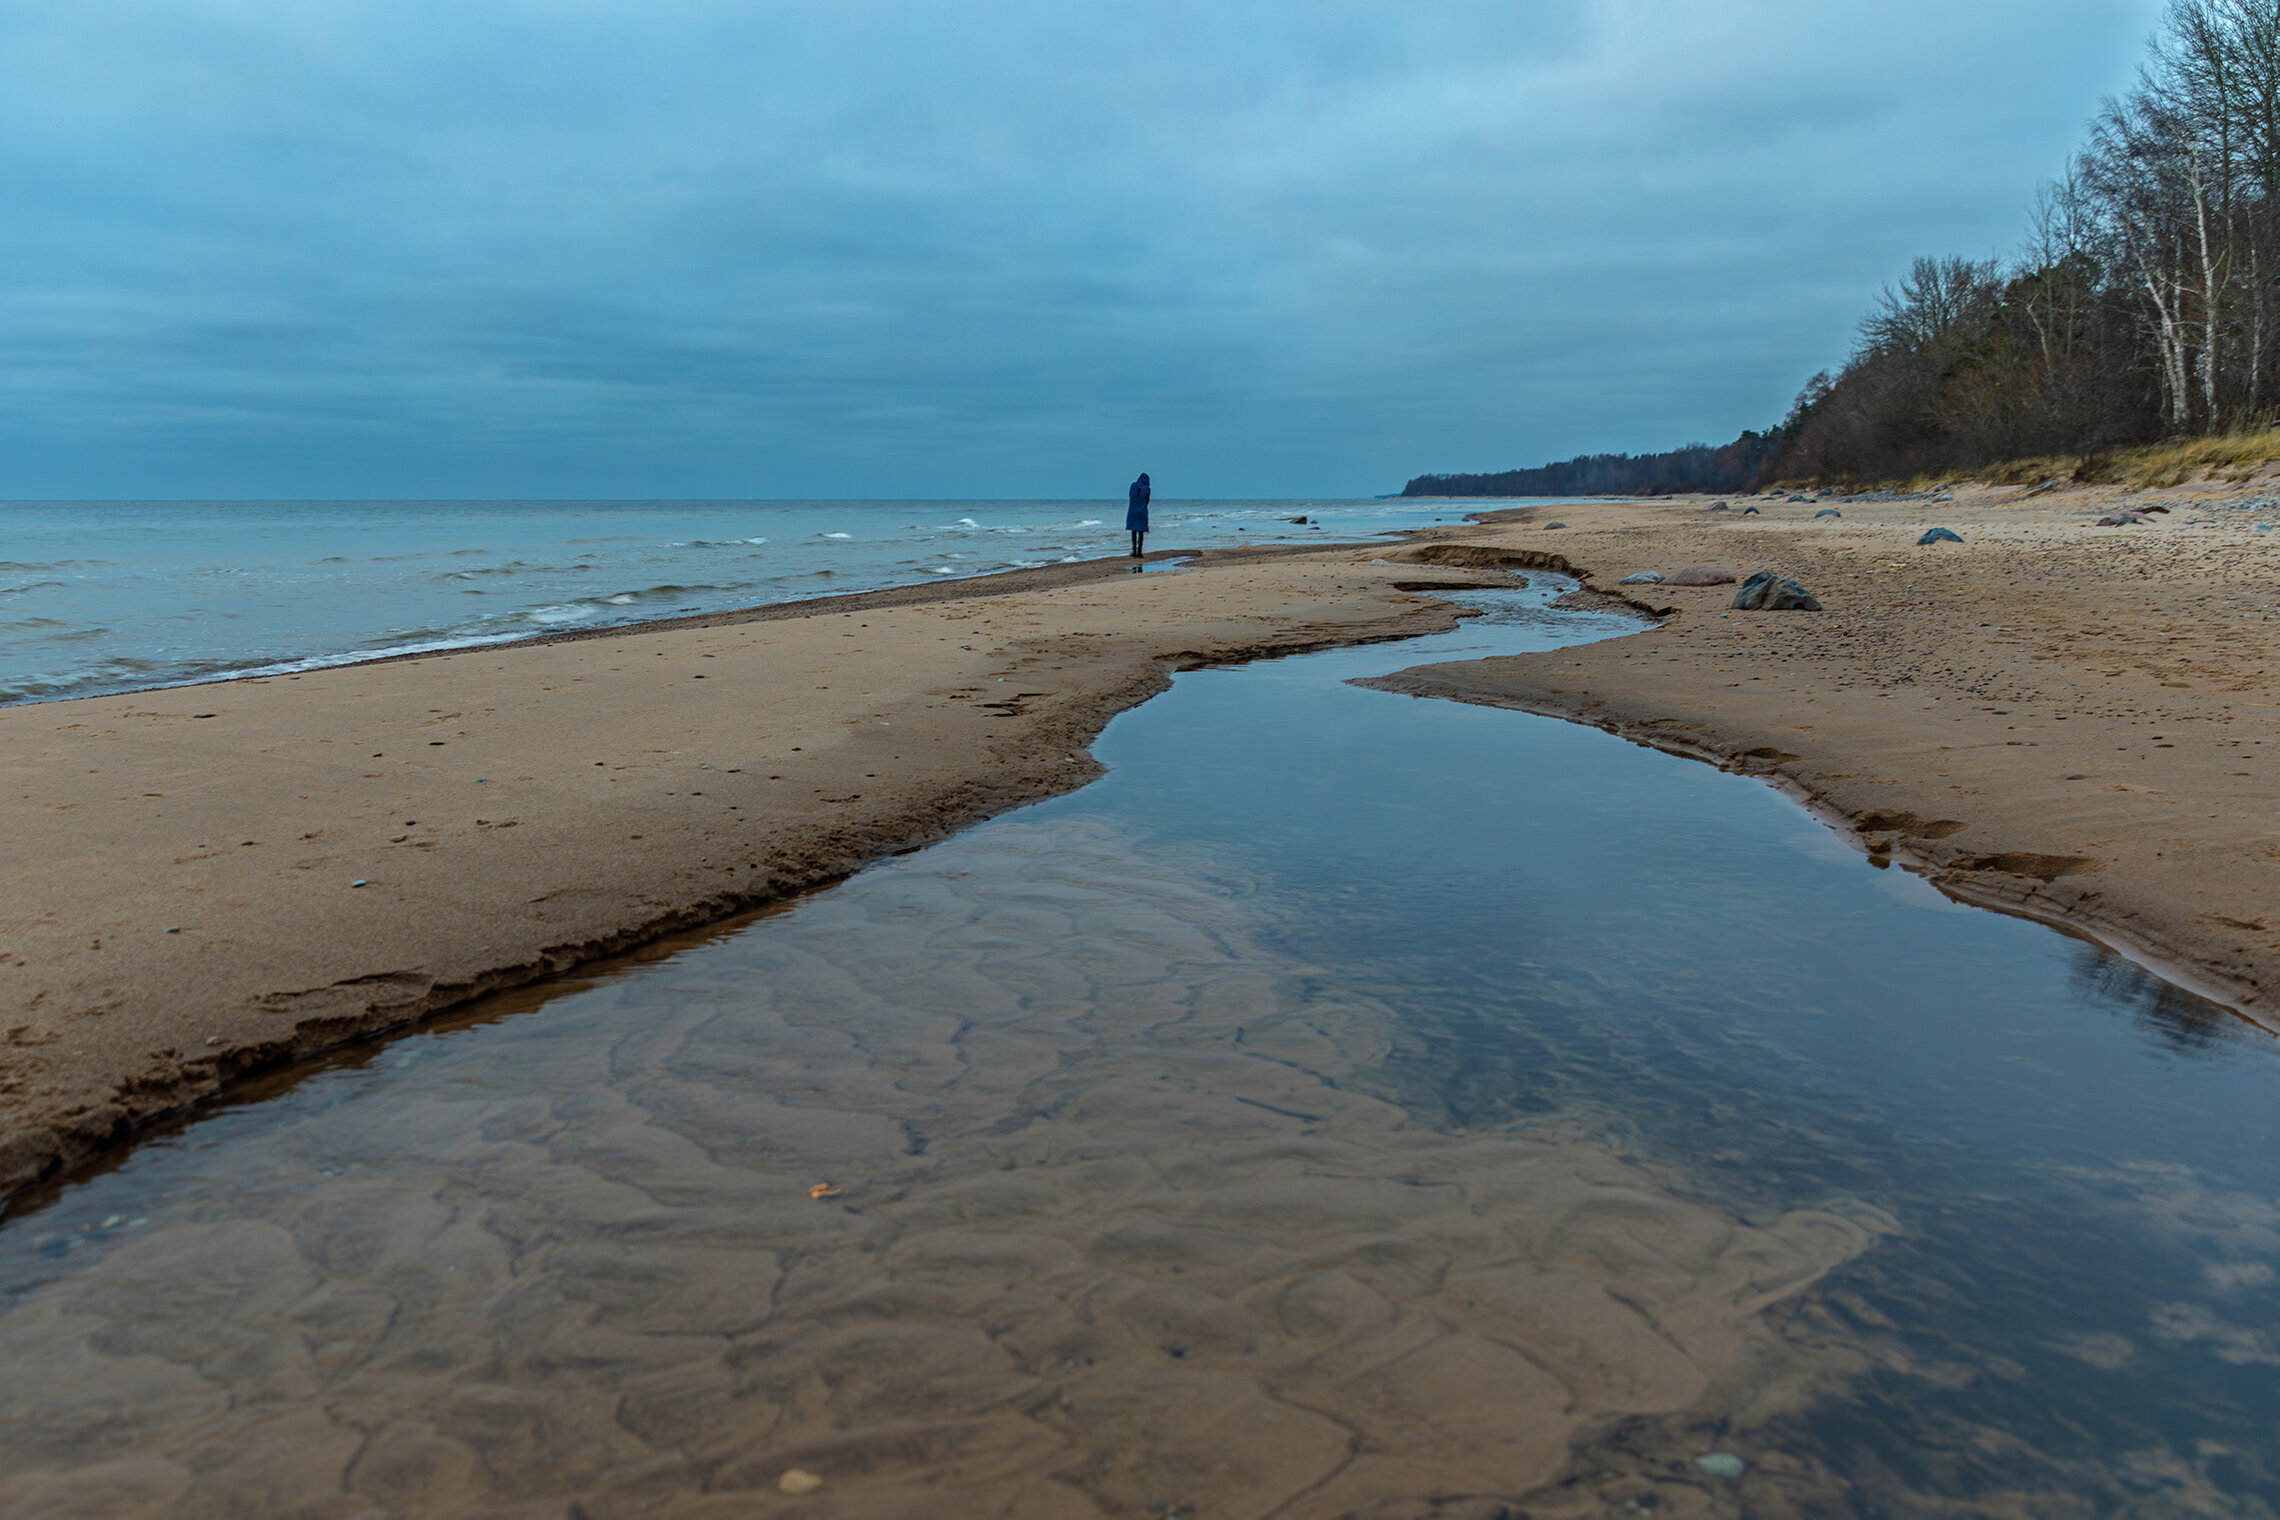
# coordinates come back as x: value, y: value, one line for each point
x: 1721, y: 1464
x: 1642, y: 578
x: 1940, y: 536
x: 1828, y: 512
x: 1767, y: 592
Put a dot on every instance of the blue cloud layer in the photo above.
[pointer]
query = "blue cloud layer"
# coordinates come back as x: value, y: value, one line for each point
x: 727, y: 248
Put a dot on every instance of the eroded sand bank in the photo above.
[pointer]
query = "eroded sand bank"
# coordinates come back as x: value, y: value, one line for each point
x: 2076, y: 722
x: 206, y: 880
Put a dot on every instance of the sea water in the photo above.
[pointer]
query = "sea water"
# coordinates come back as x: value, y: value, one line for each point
x: 98, y: 597
x: 1993, y: 1214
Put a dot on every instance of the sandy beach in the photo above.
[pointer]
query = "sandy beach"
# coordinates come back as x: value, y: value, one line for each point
x: 2053, y: 718
x: 1156, y: 1234
x: 2050, y: 718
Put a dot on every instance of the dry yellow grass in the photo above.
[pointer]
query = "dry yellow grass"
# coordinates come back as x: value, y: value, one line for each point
x: 2233, y: 457
x: 2227, y: 456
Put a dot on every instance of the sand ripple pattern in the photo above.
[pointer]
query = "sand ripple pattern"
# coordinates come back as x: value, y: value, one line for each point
x: 1113, y: 1240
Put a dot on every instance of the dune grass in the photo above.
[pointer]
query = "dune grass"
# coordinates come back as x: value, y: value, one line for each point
x: 2234, y: 458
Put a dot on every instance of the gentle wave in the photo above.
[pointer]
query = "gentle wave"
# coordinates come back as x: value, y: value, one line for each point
x: 169, y: 593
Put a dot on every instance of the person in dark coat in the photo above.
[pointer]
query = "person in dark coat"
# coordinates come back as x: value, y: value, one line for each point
x: 1136, y: 512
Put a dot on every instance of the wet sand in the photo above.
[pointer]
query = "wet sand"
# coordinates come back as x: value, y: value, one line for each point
x: 2077, y: 723
x: 209, y: 880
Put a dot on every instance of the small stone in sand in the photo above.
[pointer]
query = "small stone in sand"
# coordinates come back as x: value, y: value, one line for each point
x: 1702, y: 575
x: 1940, y: 536
x: 1641, y: 578
x: 798, y: 1480
x: 1721, y: 1464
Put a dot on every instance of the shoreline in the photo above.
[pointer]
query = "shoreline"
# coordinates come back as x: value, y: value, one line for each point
x: 161, y: 965
x: 166, y: 951
x: 2168, y: 859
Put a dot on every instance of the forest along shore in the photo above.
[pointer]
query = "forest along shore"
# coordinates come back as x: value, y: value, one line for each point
x: 207, y: 880
x: 2076, y: 722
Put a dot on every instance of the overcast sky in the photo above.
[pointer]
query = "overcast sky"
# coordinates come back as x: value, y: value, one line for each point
x: 371, y: 248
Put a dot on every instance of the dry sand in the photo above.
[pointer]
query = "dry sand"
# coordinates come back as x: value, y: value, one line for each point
x: 2076, y: 723
x: 207, y: 880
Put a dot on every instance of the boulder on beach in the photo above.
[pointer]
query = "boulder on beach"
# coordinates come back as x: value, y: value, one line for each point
x: 1701, y: 575
x: 1940, y: 536
x: 1767, y: 592
x: 1828, y: 512
x: 1641, y: 578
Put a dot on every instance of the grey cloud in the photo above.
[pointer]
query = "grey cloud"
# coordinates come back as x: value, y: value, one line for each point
x: 712, y: 247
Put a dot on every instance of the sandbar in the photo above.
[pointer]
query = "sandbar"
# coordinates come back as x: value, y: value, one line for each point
x: 2072, y: 722
x: 206, y: 881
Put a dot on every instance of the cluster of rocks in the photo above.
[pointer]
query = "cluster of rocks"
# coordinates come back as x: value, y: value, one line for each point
x: 1936, y: 493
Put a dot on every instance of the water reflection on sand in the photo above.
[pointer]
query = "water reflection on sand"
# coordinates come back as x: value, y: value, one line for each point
x: 1111, y: 1235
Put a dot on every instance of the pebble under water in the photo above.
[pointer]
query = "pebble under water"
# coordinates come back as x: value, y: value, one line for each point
x: 1352, y: 1104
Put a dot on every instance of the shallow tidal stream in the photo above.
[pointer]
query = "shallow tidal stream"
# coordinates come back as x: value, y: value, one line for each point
x: 1352, y: 1104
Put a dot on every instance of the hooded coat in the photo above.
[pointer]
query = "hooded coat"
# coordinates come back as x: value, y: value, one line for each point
x: 1136, y: 507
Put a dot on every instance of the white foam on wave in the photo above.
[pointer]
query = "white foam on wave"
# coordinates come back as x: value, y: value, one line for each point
x: 838, y: 535
x: 565, y: 612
